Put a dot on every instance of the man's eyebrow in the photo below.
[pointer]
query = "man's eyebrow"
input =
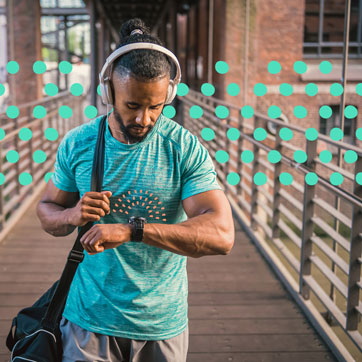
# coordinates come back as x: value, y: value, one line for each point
x: 137, y: 104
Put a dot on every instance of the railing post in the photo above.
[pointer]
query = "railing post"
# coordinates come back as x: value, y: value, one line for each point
x: 254, y: 187
x: 240, y: 150
x: 226, y: 167
x: 276, y: 190
x: 307, y: 229
x: 1, y: 189
x: 355, y: 253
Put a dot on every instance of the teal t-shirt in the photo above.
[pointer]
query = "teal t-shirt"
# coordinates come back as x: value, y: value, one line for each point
x: 135, y: 291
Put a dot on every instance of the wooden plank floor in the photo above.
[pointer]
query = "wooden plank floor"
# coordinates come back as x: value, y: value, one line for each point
x: 238, y: 310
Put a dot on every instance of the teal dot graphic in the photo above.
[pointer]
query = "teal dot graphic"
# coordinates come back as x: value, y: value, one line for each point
x: 260, y: 134
x: 51, y: 89
x: 336, y: 134
x: 350, y: 156
x: 12, y: 156
x: 196, y: 112
x: 25, y: 134
x: 2, y: 178
x: 274, y: 156
x: 300, y: 156
x: 182, y: 89
x: 207, y: 89
x: 2, y: 134
x: 286, y: 134
x: 247, y: 111
x: 25, y: 178
x: 336, y: 178
x: 65, y: 112
x: 12, y: 112
x: 285, y: 178
x: 169, y: 111
x: 260, y: 89
x: 47, y: 176
x: 325, y: 67
x: 221, y: 156
x: 325, y: 156
x: 311, y: 134
x: 51, y: 134
x: 359, y: 89
x: 325, y: 111
x: 233, y: 89
x: 311, y: 89
x: 274, y: 67
x: 99, y: 89
x: 336, y: 89
x: 39, y: 156
x: 359, y: 178
x: 221, y: 67
x: 285, y: 89
x: 65, y: 67
x: 39, y: 112
x: 311, y: 178
x: 247, y: 156
x: 222, y: 112
x: 260, y: 178
x: 233, y: 178
x: 350, y: 112
x: 300, y: 111
x: 12, y: 67
x: 300, y: 67
x: 274, y: 111
x: 207, y: 134
x: 233, y: 134
x: 39, y: 67
x: 359, y: 133
x: 2, y: 89
x: 76, y: 89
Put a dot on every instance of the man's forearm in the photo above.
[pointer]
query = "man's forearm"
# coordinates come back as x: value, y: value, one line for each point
x: 195, y: 237
x: 54, y: 219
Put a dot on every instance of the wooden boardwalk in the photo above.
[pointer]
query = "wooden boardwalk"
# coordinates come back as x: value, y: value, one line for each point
x: 238, y: 310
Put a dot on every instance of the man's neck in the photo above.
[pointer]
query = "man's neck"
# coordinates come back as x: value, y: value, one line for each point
x: 115, y: 130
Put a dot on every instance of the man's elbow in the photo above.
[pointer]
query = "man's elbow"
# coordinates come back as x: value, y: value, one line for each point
x: 228, y: 244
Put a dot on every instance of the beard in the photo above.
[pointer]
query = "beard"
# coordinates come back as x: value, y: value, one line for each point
x: 126, y: 129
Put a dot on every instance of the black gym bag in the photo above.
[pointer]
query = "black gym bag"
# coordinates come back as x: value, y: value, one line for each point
x: 35, y: 334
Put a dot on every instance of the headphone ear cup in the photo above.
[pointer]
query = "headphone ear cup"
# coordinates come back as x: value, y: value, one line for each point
x: 103, y: 93
x: 108, y: 92
x: 171, y: 92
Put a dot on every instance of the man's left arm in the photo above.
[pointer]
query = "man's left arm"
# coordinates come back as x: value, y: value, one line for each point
x: 208, y: 231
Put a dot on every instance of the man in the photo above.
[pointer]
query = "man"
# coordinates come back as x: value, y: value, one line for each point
x: 128, y: 300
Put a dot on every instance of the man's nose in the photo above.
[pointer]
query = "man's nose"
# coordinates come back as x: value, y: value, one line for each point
x: 143, y: 118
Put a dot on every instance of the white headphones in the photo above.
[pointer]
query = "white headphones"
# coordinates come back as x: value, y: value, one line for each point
x: 105, y: 87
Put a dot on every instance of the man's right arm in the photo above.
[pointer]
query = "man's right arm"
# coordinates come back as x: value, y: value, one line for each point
x: 60, y: 212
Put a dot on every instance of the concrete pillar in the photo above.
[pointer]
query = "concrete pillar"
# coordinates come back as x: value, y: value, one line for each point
x: 24, y: 46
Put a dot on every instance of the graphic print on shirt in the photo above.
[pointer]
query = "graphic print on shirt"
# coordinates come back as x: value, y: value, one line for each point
x: 142, y: 203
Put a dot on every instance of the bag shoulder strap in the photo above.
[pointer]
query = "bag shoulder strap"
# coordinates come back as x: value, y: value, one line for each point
x: 55, y: 309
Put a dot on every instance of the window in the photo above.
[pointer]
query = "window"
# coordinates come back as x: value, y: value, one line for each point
x: 324, y: 29
x: 325, y: 126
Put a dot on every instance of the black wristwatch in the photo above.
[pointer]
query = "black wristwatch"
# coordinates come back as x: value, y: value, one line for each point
x: 138, y: 225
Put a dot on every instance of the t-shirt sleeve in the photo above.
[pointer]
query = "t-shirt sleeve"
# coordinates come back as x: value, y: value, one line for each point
x: 198, y: 174
x: 63, y: 176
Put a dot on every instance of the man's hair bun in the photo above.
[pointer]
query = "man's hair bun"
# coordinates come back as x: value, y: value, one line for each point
x: 131, y: 25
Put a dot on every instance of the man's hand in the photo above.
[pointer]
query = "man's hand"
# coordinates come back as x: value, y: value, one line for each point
x: 105, y: 236
x: 91, y: 207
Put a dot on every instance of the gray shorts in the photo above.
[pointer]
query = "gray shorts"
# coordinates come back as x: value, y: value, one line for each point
x: 80, y: 345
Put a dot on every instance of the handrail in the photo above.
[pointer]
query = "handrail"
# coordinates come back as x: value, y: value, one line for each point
x: 302, y: 236
x: 15, y: 197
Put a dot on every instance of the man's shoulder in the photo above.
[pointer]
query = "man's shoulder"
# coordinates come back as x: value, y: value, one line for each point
x: 84, y: 133
x: 174, y: 132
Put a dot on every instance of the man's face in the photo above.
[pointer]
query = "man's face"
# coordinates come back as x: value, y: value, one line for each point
x: 138, y: 105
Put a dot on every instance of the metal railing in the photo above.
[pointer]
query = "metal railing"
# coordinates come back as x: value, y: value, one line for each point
x: 14, y: 196
x: 294, y: 222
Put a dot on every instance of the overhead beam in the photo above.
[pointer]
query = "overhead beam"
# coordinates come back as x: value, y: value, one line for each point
x: 161, y: 16
x: 103, y: 14
x: 63, y: 11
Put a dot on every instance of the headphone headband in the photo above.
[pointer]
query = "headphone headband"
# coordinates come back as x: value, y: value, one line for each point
x: 133, y: 46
